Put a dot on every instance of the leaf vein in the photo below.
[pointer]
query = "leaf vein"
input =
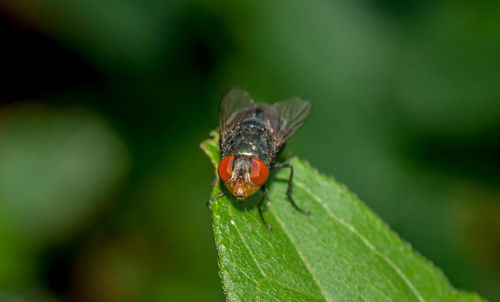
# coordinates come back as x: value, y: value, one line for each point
x: 364, y: 240
x: 294, y: 288
x: 265, y: 277
x: 246, y: 244
x: 302, y: 257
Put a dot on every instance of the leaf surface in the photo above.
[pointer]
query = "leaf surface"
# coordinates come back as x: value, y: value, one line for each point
x: 341, y: 252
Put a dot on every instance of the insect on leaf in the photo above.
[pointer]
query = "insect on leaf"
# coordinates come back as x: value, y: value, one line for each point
x: 341, y: 252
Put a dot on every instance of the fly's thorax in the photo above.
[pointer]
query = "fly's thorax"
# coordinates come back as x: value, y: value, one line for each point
x: 250, y: 137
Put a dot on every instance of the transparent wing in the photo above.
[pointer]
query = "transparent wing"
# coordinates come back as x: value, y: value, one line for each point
x: 232, y: 101
x: 293, y: 113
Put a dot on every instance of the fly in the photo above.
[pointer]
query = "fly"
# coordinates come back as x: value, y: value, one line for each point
x: 251, y: 135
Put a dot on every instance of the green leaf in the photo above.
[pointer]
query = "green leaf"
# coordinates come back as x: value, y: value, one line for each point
x: 341, y: 252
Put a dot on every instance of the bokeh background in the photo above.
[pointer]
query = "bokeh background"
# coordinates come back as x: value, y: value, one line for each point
x: 103, y: 105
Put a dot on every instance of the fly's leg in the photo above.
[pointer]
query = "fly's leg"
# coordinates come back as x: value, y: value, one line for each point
x: 289, y: 189
x: 214, y: 182
x: 209, y: 202
x: 259, y: 207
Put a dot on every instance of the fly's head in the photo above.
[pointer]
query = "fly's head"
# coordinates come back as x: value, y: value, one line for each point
x: 242, y: 175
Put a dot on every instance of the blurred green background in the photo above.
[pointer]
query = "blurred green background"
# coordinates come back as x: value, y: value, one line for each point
x: 103, y: 105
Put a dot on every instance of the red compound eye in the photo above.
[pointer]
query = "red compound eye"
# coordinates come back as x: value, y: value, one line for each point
x: 225, y: 168
x: 259, y: 172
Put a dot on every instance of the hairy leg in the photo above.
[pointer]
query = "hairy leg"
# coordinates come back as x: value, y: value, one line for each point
x: 289, y: 189
x: 259, y: 207
x: 209, y: 202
